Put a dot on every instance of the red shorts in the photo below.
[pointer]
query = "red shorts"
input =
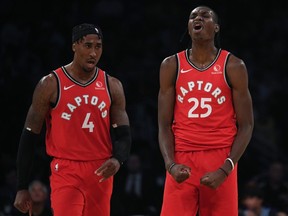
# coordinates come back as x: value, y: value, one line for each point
x: 187, y: 198
x: 76, y: 190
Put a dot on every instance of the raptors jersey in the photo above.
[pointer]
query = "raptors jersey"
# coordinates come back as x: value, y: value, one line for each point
x: 204, y: 116
x: 78, y: 127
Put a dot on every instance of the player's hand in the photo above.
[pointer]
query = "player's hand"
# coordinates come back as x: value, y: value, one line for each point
x: 23, y: 202
x: 180, y: 172
x: 109, y: 168
x: 213, y: 179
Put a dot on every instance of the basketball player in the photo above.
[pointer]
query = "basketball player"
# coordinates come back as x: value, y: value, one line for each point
x: 205, y: 122
x: 81, y: 104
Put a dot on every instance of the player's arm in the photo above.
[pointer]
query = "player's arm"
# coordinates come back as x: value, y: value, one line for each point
x: 119, y: 121
x: 44, y: 93
x: 166, y: 101
x: 238, y: 78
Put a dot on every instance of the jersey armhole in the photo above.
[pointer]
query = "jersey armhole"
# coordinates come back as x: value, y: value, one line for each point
x: 53, y: 105
x: 108, y: 86
x: 177, y: 68
x: 225, y: 71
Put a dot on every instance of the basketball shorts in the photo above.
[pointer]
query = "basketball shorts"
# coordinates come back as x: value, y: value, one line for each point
x: 76, y: 190
x: 189, y: 197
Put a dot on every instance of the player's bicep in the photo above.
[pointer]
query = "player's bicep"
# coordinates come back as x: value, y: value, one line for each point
x: 166, y: 106
x: 166, y: 96
x: 242, y: 100
x: 40, y: 105
x: 118, y: 114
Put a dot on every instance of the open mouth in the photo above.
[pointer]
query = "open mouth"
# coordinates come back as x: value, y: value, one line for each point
x: 197, y: 27
x: 91, y: 62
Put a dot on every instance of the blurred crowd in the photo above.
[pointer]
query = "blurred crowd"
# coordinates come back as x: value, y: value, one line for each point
x: 137, y: 36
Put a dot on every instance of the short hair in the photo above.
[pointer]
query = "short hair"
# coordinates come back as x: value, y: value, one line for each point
x: 81, y: 30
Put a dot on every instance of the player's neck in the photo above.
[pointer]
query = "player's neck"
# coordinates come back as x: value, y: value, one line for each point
x: 78, y: 73
x: 202, y: 57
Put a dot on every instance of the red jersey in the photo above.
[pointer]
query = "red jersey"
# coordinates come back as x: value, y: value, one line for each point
x: 78, y: 127
x: 204, y: 116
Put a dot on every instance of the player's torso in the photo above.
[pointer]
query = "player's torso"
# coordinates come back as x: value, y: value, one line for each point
x: 203, y: 105
x: 79, y: 124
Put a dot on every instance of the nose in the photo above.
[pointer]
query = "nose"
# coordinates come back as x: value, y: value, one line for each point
x: 94, y: 52
x: 199, y: 18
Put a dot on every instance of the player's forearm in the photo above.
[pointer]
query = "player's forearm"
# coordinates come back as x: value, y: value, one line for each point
x: 239, y: 146
x: 166, y: 144
x: 122, y: 143
x: 241, y: 142
x: 25, y: 157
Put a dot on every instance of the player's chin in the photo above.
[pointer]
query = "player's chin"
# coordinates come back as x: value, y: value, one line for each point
x: 90, y: 67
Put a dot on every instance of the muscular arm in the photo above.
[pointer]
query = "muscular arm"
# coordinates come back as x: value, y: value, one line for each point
x: 120, y: 129
x: 44, y: 94
x: 238, y: 77
x: 166, y: 101
x: 118, y: 112
x: 120, y: 122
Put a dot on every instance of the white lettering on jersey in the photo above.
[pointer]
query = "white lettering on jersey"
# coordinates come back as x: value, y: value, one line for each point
x: 84, y: 100
x: 201, y: 86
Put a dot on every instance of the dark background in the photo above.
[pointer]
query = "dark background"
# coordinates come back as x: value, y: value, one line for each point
x: 35, y: 38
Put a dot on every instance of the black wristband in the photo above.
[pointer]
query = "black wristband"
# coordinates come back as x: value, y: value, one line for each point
x: 170, y: 167
x: 122, y: 143
x: 25, y: 156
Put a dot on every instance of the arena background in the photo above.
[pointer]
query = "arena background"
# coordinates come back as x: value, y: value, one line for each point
x: 36, y: 38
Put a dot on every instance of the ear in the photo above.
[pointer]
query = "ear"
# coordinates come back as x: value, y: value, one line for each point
x: 73, y: 47
x: 217, y: 28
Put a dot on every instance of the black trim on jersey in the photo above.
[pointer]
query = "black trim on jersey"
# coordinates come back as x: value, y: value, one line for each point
x: 77, y: 82
x: 58, y: 90
x: 205, y: 68
x: 108, y: 86
x: 226, y: 75
x: 177, y: 68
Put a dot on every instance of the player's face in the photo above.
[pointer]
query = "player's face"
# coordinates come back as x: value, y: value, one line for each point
x: 201, y: 24
x: 88, y: 51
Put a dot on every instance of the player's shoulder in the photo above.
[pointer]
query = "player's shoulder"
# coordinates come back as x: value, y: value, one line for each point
x: 115, y: 85
x: 48, y: 81
x: 232, y: 57
x: 116, y: 88
x: 169, y: 61
x: 172, y: 59
x: 235, y: 61
x: 235, y: 68
x: 113, y: 80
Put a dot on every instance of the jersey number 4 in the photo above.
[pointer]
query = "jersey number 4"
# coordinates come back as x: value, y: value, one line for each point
x: 88, y: 124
